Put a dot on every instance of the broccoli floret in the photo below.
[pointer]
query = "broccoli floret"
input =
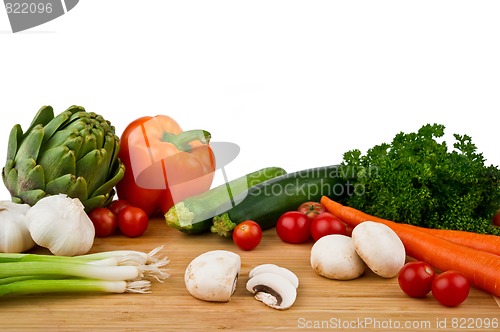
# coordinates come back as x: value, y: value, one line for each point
x: 223, y: 225
x: 415, y: 179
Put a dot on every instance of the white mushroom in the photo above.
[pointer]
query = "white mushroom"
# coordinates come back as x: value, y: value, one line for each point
x: 272, y: 289
x: 334, y: 257
x: 212, y: 276
x: 380, y: 247
x: 273, y: 268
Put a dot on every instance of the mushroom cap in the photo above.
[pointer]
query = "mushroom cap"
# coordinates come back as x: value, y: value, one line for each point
x: 212, y: 276
x: 380, y: 247
x: 273, y: 268
x: 334, y: 257
x: 272, y: 289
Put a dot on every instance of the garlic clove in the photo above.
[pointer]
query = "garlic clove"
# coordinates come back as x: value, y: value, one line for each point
x: 14, y: 235
x: 60, y: 224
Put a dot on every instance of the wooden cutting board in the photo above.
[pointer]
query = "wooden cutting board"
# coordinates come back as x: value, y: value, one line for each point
x: 369, y: 303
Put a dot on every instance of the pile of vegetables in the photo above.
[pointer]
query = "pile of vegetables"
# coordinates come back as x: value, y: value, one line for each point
x: 417, y: 180
x: 413, y: 196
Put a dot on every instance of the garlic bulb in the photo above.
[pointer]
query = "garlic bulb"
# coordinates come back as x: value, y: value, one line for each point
x: 60, y: 224
x: 14, y: 235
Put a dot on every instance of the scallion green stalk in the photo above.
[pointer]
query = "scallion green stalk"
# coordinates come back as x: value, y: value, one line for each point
x: 122, y: 257
x: 8, y: 280
x: 82, y: 270
x: 37, y: 286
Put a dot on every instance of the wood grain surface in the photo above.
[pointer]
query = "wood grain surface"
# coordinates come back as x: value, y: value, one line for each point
x: 369, y: 303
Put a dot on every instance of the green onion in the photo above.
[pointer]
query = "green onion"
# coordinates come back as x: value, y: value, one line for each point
x: 82, y: 270
x: 123, y: 257
x: 74, y: 285
x: 113, y: 271
x: 8, y: 280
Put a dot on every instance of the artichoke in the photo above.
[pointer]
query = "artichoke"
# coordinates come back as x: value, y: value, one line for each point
x: 74, y: 153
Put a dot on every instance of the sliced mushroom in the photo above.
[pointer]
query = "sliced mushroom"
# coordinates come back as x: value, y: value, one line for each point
x: 272, y: 289
x: 273, y: 268
x: 212, y: 276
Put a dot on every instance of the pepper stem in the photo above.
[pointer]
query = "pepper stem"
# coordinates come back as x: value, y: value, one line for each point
x: 182, y: 140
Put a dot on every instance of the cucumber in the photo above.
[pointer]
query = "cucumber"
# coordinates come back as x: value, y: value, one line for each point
x: 264, y: 203
x: 194, y: 214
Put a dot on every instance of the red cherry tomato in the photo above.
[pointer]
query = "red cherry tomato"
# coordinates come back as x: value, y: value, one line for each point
x: 496, y: 219
x: 311, y: 209
x: 326, y: 223
x: 247, y: 235
x: 450, y: 288
x: 415, y: 278
x: 133, y: 221
x: 294, y: 227
x: 117, y: 205
x: 105, y: 221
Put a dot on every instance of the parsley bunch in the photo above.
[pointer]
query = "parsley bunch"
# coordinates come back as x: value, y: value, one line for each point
x: 416, y: 180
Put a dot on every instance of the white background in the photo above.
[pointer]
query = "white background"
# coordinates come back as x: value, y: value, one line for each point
x: 293, y: 83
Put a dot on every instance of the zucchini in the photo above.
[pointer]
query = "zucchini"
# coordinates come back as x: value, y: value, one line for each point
x: 266, y: 202
x: 194, y: 214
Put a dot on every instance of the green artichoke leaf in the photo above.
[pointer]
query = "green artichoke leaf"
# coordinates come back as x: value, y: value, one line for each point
x: 54, y: 125
x: 30, y: 175
x: 30, y: 146
x: 117, y: 175
x: 69, y: 184
x: 29, y: 197
x: 99, y: 135
x: 57, y: 161
x: 15, y: 137
x: 97, y: 201
x: 70, y: 138
x: 89, y: 145
x: 111, y: 145
x: 9, y: 175
x: 92, y: 168
x: 73, y: 109
x: 44, y: 115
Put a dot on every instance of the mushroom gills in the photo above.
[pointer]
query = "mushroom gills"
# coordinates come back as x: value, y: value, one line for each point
x: 272, y: 289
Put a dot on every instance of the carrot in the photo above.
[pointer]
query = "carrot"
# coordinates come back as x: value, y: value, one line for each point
x: 481, y: 268
x: 484, y: 242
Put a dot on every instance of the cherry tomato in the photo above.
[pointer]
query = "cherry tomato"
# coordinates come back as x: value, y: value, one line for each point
x: 247, y: 235
x: 105, y: 221
x: 133, y: 221
x: 294, y: 227
x: 496, y: 219
x: 311, y: 209
x: 117, y: 206
x: 450, y: 288
x: 326, y: 223
x: 415, y: 278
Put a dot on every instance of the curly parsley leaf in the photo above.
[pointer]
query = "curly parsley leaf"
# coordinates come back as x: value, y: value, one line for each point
x: 417, y: 179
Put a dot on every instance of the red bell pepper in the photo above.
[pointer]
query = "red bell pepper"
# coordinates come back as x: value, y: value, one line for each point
x: 164, y: 165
